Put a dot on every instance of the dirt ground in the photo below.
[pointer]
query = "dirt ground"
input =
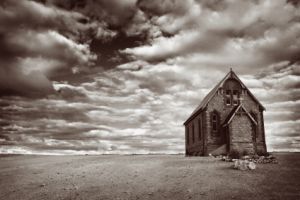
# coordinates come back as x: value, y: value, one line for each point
x: 145, y: 177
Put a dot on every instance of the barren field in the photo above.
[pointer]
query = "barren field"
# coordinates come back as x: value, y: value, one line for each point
x: 145, y: 177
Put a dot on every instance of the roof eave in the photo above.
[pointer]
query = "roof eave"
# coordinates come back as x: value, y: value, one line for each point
x: 194, y: 115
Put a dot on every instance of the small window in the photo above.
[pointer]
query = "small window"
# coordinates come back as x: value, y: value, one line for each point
x: 235, y: 102
x: 228, y: 92
x: 214, y: 122
x: 228, y: 101
x: 200, y: 128
x: 235, y: 92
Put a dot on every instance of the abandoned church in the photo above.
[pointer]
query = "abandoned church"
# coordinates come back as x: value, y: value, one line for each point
x: 228, y: 119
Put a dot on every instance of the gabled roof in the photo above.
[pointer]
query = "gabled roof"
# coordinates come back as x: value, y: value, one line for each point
x: 211, y: 94
x: 233, y: 113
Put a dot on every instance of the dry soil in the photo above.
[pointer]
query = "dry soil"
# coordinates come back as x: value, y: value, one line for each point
x: 145, y: 177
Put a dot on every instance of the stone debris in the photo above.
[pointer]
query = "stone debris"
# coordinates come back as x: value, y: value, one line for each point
x: 267, y: 159
x: 251, y: 165
x: 244, y: 165
x: 248, y: 162
x: 251, y: 158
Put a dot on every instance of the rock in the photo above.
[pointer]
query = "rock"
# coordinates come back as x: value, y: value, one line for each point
x: 251, y: 165
x: 43, y: 185
x: 243, y: 165
x: 236, y: 164
x: 246, y: 157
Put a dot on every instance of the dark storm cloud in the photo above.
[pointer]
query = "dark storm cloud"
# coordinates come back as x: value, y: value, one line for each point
x: 113, y: 12
x: 37, y: 43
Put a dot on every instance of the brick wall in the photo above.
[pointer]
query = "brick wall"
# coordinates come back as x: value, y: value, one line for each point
x: 241, y: 134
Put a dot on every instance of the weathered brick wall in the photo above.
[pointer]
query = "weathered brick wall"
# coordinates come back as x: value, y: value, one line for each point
x: 241, y: 134
x: 240, y: 129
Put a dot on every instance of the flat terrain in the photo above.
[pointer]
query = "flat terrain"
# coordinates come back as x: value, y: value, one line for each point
x: 145, y: 177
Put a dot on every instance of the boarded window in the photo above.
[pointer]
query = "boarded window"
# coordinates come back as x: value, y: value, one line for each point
x: 200, y: 128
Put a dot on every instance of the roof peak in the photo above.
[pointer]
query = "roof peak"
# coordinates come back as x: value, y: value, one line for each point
x: 209, y: 96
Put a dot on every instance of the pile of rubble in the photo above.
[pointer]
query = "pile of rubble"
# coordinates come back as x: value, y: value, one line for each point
x: 248, y: 162
x: 265, y: 159
x: 244, y: 165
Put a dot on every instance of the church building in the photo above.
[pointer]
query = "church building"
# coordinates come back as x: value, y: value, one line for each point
x: 229, y: 118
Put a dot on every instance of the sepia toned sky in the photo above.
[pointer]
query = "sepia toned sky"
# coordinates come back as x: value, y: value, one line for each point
x: 121, y: 76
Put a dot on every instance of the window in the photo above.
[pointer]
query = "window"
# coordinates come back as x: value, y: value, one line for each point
x: 235, y: 102
x: 235, y: 97
x: 193, y: 133
x: 232, y: 97
x: 228, y: 97
x: 214, y: 122
x: 200, y: 128
x: 228, y: 101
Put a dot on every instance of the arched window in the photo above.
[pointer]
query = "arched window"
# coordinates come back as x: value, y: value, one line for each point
x: 215, y: 122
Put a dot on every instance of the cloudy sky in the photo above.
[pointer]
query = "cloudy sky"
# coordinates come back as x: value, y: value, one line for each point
x: 121, y: 76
